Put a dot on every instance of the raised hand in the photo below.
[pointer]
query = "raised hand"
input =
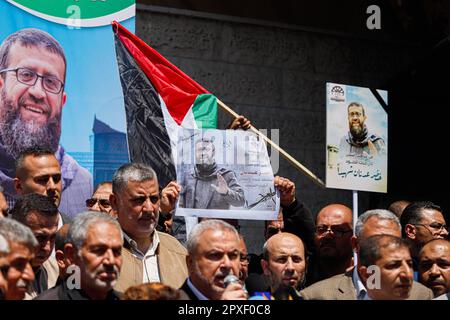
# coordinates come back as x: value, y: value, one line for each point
x: 287, y: 190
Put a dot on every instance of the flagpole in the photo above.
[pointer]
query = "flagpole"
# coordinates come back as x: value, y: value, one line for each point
x: 286, y: 155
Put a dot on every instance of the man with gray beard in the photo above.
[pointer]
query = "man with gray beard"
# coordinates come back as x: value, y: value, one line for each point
x: 32, y: 75
x: 94, y: 250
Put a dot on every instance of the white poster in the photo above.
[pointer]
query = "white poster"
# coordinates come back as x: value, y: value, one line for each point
x: 225, y: 174
x: 357, y: 133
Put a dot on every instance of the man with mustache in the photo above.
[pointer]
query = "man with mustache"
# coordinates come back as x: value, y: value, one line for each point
x: 359, y: 142
x: 32, y: 76
x: 284, y: 265
x: 333, y: 247
x: 385, y: 267
x: 434, y: 266
x: 22, y: 246
x: 350, y: 284
x: 213, y: 253
x: 40, y: 214
x: 148, y: 255
x: 94, y: 248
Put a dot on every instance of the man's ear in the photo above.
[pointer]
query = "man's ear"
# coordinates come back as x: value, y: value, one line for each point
x: 18, y: 185
x: 410, y: 231
x: 265, y: 267
x: 113, y: 200
x: 189, y: 262
x: 354, y: 242
x: 70, y: 252
x: 59, y: 255
x: 362, y: 271
x: 63, y: 99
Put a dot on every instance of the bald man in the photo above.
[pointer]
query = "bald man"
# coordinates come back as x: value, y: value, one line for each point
x: 284, y: 265
x: 398, y: 206
x: 332, y: 242
x: 434, y: 266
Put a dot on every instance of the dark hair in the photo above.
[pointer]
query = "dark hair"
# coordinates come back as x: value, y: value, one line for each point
x: 34, y: 151
x: 33, y: 202
x: 30, y: 38
x: 370, y: 248
x: 101, y: 184
x: 357, y: 104
x: 413, y: 213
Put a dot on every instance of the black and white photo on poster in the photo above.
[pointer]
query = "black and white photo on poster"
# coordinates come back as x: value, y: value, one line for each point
x: 225, y: 174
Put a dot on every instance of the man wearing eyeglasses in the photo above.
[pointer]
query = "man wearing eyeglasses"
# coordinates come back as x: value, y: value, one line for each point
x: 100, y: 199
x: 32, y: 75
x: 148, y: 255
x: 333, y: 247
x: 423, y: 221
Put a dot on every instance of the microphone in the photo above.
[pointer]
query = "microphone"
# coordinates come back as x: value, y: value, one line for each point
x: 229, y: 279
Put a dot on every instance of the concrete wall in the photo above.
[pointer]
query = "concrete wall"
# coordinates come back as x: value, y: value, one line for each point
x: 275, y: 75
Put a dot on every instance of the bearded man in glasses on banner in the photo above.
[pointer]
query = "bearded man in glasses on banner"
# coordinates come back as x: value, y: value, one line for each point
x: 32, y: 76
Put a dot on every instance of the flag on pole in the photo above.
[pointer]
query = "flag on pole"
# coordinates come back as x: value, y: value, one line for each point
x: 159, y: 99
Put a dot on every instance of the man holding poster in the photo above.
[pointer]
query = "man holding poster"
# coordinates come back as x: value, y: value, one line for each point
x: 32, y: 76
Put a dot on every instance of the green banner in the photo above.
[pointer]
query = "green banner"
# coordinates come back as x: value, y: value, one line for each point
x: 89, y: 9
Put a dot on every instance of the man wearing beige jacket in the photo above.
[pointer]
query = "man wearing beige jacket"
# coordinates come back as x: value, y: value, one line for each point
x: 148, y: 255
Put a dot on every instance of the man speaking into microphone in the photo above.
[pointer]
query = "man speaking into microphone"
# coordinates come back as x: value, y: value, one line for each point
x: 212, y: 261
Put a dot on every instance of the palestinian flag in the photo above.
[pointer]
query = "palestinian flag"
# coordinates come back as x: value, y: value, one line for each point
x: 159, y: 99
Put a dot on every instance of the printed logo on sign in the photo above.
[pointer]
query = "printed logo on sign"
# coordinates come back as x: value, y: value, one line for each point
x: 337, y: 93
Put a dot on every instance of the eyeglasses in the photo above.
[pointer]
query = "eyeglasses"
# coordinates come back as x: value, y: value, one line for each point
x: 438, y: 227
x: 29, y: 77
x: 244, y: 258
x: 320, y: 230
x: 103, y: 202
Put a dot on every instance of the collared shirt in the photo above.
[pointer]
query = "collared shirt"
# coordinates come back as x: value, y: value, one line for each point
x: 76, y: 182
x: 361, y: 291
x: 149, y: 259
x: 197, y: 293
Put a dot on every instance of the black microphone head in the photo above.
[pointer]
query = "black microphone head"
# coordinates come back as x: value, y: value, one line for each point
x: 229, y: 279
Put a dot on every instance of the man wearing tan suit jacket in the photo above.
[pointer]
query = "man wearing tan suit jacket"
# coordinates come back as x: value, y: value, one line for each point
x: 148, y: 255
x: 350, y: 285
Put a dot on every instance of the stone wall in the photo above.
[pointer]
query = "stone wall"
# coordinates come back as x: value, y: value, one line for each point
x: 275, y: 75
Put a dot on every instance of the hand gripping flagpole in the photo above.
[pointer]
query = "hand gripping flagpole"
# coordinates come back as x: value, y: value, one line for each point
x: 286, y: 155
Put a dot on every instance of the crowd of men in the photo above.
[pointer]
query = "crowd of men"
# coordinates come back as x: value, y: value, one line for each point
x: 123, y: 246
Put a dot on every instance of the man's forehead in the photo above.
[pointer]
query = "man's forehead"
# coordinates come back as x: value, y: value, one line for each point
x: 146, y: 186
x: 37, y: 219
x: 392, y: 253
x: 102, y: 233
x: 45, y: 163
x: 432, y: 215
x: 38, y: 58
x: 218, y: 240
x: 437, y: 249
x: 376, y: 226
